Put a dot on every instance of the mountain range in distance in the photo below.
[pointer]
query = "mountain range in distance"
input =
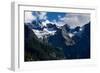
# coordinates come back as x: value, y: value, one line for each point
x: 48, y: 41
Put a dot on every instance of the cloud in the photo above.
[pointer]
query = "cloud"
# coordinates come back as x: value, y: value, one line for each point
x: 29, y: 17
x: 72, y: 19
x: 41, y: 15
x: 44, y: 23
x: 75, y: 19
x: 60, y: 23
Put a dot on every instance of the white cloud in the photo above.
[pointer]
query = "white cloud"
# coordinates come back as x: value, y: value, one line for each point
x: 72, y: 19
x: 29, y: 17
x: 42, y: 15
x: 44, y: 23
x: 75, y: 19
x: 60, y: 23
x: 47, y: 21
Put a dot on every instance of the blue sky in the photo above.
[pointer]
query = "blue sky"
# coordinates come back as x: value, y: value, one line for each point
x: 54, y: 15
x: 50, y: 15
x: 72, y: 19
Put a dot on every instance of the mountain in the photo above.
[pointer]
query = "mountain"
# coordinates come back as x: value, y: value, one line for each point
x: 38, y: 51
x: 43, y: 31
x: 48, y: 42
x: 63, y: 37
x: 76, y: 45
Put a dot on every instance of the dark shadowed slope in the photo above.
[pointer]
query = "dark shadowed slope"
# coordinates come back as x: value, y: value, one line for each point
x: 37, y: 51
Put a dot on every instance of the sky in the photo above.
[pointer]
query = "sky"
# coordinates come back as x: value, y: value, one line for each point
x: 58, y: 18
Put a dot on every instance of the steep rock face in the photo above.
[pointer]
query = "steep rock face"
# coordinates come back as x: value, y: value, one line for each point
x: 67, y: 35
x: 64, y: 43
x: 37, y: 51
x: 81, y: 49
x: 75, y: 46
